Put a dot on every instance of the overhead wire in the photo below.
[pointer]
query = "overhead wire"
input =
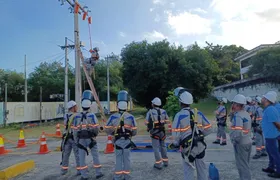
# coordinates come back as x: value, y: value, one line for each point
x: 45, y: 59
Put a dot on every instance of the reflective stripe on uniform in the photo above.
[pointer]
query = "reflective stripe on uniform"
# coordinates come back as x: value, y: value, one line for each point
x: 96, y: 166
x: 84, y: 167
x: 186, y: 128
x: 158, y: 162
x: 246, y: 131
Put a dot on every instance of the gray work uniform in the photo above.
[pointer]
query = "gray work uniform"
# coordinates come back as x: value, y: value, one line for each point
x: 221, y: 116
x: 67, y: 145
x: 156, y: 119
x: 85, y: 129
x: 257, y: 120
x: 181, y: 129
x: 122, y: 142
x: 242, y: 143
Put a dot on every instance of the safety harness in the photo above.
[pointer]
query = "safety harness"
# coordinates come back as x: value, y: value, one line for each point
x: 192, y: 140
x: 224, y: 118
x: 85, y: 133
x: 157, y: 127
x: 122, y: 132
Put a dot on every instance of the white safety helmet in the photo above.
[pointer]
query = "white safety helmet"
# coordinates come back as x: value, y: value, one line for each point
x: 270, y: 96
x: 224, y: 100
x: 186, y: 98
x: 156, y: 101
x: 86, y: 103
x: 71, y: 104
x: 239, y: 99
x: 258, y: 99
x: 249, y: 99
x: 273, y: 92
x: 122, y: 105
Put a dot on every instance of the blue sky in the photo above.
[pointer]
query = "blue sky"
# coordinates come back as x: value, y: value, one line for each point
x: 36, y: 27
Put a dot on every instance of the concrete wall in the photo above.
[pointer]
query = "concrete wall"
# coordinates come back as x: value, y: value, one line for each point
x: 30, y: 111
x: 248, y: 87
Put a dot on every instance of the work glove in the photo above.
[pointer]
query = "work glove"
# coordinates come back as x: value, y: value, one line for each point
x: 172, y: 146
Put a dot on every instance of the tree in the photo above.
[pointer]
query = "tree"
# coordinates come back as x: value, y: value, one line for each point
x: 172, y: 105
x: 151, y: 70
x: 49, y: 76
x: 15, y: 85
x: 224, y: 57
x: 266, y: 64
x: 100, y: 81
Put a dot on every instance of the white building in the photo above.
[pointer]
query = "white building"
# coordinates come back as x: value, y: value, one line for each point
x: 245, y: 60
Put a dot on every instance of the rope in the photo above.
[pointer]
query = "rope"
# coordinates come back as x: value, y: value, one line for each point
x: 89, y: 31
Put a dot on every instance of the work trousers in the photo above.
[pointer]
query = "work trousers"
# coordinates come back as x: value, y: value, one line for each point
x: 122, y: 166
x: 273, y: 153
x: 66, y: 152
x: 95, y: 157
x: 242, y: 154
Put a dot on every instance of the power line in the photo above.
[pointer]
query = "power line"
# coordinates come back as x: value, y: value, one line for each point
x: 45, y: 59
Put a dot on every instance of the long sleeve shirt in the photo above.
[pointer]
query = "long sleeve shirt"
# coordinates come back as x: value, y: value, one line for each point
x: 181, y: 126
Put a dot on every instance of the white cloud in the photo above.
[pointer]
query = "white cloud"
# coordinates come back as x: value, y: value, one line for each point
x: 157, y: 18
x: 158, y: 1
x: 248, y: 23
x: 152, y: 9
x: 189, y: 24
x: 199, y: 10
x: 122, y: 34
x: 154, y: 36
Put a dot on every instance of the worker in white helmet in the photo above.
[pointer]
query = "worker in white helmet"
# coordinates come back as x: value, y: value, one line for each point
x: 256, y: 124
x: 240, y: 136
x: 190, y: 134
x: 277, y: 106
x: 271, y: 132
x: 68, y: 142
x: 85, y: 129
x: 122, y: 125
x: 249, y: 107
x: 221, y: 116
x: 155, y: 121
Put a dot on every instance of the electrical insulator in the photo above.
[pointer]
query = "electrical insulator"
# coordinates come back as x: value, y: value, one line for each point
x: 77, y: 6
x: 89, y: 20
x: 84, y: 16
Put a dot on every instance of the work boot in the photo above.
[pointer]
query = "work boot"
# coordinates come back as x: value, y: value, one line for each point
x: 274, y: 175
x: 256, y: 156
x: 264, y: 154
x: 165, y: 165
x: 99, y: 176
x: 63, y: 172
x: 216, y: 142
x: 223, y: 144
x: 268, y: 170
x: 159, y: 168
x: 253, y: 143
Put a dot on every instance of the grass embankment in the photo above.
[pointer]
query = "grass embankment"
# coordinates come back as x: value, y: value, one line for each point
x: 207, y: 106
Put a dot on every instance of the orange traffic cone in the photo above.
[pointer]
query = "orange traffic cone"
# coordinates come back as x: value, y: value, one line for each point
x: 58, y: 132
x: 43, y: 145
x: 110, y: 146
x: 2, y: 147
x: 21, y: 141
